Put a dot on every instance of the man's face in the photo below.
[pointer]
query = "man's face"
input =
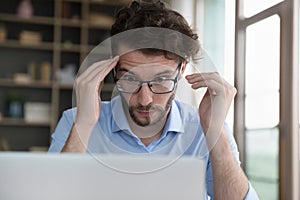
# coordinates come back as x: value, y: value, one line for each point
x: 144, y: 106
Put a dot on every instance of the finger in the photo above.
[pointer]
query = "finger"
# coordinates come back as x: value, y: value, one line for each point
x: 96, y: 66
x: 210, y: 84
x: 100, y: 87
x: 204, y: 76
x: 97, y: 70
x: 100, y: 73
x: 95, y: 81
x: 91, y: 68
x: 100, y: 64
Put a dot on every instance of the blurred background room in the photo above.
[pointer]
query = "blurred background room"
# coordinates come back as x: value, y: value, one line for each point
x: 253, y: 43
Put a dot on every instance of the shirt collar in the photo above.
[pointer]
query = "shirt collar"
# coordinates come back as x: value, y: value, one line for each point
x: 119, y: 121
x: 174, y: 121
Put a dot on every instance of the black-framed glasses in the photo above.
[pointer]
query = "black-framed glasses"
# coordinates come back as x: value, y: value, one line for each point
x: 158, y: 85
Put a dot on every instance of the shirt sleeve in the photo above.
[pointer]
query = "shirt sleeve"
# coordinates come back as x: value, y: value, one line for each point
x: 251, y: 195
x: 62, y: 131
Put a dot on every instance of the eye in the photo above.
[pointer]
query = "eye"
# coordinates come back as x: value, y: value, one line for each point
x: 130, y: 78
x: 160, y: 79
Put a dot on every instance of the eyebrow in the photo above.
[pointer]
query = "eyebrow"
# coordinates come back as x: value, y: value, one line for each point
x: 167, y: 71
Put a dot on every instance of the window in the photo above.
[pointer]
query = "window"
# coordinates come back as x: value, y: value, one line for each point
x: 267, y: 122
x: 262, y: 105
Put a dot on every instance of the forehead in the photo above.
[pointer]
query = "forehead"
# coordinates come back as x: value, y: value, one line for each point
x: 137, y: 59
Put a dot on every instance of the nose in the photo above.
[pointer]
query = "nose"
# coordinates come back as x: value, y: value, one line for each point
x: 145, y: 96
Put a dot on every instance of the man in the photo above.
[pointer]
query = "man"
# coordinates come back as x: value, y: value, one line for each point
x: 144, y: 117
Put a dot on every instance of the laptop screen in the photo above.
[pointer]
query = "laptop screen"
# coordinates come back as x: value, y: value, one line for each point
x: 114, y: 177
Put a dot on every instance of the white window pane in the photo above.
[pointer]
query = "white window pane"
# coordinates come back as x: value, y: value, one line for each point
x: 299, y: 94
x: 299, y: 98
x: 263, y: 55
x: 252, y: 7
x: 262, y: 154
x: 262, y: 110
x: 262, y: 73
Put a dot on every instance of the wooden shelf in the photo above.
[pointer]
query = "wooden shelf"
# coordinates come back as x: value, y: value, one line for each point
x: 72, y: 48
x: 65, y: 41
x: 33, y: 20
x: 34, y: 84
x: 65, y: 86
x: 22, y: 122
x: 95, y: 25
x: 18, y: 45
x: 107, y: 87
x: 109, y: 2
x: 69, y: 22
x: 74, y: 1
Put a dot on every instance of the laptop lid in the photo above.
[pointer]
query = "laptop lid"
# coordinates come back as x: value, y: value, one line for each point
x: 38, y: 176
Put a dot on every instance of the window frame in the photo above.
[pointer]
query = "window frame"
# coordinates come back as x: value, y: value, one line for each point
x: 288, y: 11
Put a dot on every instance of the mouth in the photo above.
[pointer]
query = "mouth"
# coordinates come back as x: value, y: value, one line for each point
x: 145, y: 113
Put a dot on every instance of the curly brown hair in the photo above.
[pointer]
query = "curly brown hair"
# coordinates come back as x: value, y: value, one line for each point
x: 156, y: 13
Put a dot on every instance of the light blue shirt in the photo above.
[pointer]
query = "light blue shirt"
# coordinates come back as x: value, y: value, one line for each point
x: 182, y: 135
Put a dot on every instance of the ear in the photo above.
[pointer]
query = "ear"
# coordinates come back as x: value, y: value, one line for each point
x: 184, y: 63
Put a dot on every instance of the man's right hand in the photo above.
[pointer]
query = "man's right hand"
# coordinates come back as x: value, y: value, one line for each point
x: 88, y: 87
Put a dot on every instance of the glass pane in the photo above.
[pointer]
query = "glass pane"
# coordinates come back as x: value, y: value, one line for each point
x: 262, y: 150
x: 262, y: 110
x: 266, y: 190
x: 252, y: 7
x: 262, y: 73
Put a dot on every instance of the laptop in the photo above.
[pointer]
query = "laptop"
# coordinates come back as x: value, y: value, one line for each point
x: 36, y: 176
